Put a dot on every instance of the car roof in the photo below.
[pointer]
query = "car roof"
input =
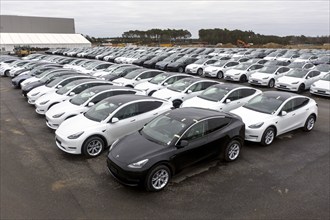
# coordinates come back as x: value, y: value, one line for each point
x: 280, y: 95
x: 229, y: 86
x: 131, y: 97
x: 190, y: 115
x: 108, y: 87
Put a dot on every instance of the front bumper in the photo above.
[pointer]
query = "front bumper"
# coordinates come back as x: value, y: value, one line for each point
x: 287, y: 87
x: 232, y: 78
x: 319, y: 91
x: 258, y: 82
x: 69, y: 146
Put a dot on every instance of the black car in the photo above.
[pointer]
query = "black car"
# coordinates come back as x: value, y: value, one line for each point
x: 173, y: 141
x: 143, y: 59
x: 120, y: 72
x: 152, y: 62
x: 180, y: 64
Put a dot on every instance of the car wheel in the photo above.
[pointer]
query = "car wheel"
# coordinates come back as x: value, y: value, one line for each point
x: 309, y: 124
x: 220, y: 75
x: 243, y: 78
x: 177, y: 103
x: 232, y: 150
x: 157, y: 178
x: 268, y: 136
x: 200, y: 72
x: 181, y: 70
x: 6, y: 73
x: 93, y: 146
x: 271, y: 83
x: 301, y: 88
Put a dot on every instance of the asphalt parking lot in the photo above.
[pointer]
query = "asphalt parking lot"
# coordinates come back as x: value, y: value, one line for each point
x: 288, y: 180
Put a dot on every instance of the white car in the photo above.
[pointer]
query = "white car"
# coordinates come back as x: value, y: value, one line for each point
x: 242, y: 72
x: 46, y: 101
x: 105, y: 122
x: 289, y: 57
x: 217, y: 69
x: 298, y: 80
x: 184, y: 89
x: 40, y: 76
x: 306, y: 58
x: 222, y: 97
x: 159, y: 82
x: 82, y: 102
x: 136, y: 77
x: 322, y: 86
x: 52, y: 86
x: 273, y: 113
x: 199, y: 65
x: 267, y: 75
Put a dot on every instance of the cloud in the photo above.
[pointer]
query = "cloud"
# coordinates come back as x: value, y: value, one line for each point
x: 112, y: 18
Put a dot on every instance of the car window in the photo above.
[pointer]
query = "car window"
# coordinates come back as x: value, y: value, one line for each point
x: 196, y: 87
x: 215, y: 124
x: 148, y: 106
x: 246, y: 92
x: 234, y: 95
x: 195, y: 131
x: 127, y: 111
x: 299, y: 102
x: 288, y: 107
x: 206, y: 85
x: 144, y: 75
x: 121, y: 92
x: 101, y: 96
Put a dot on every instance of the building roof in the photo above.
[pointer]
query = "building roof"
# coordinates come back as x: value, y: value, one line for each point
x: 33, y: 39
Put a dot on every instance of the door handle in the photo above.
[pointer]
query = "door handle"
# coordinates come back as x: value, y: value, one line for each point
x: 293, y: 114
x: 156, y: 113
x: 133, y: 120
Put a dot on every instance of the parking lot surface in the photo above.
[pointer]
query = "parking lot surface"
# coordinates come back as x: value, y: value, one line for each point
x: 287, y: 180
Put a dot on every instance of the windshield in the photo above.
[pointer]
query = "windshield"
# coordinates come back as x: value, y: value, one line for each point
x: 54, y: 82
x: 163, y: 130
x: 326, y: 77
x: 268, y: 69
x: 67, y: 87
x: 118, y: 71
x: 305, y: 56
x: 83, y: 96
x: 159, y: 78
x: 102, y: 110
x: 242, y: 66
x: 200, y: 61
x: 323, y: 68
x: 219, y: 63
x: 215, y: 93
x: 134, y: 73
x: 297, y: 73
x: 45, y: 73
x: 296, y: 65
x: 180, y: 85
x: 265, y: 103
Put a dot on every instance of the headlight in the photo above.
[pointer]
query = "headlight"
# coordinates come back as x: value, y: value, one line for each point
x: 139, y: 164
x: 58, y: 115
x: 266, y: 77
x: 34, y: 94
x: 44, y: 102
x: 295, y: 83
x: 76, y: 135
x: 258, y: 125
x: 113, y: 144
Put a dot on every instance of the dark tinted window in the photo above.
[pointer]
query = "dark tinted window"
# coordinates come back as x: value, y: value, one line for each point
x: 246, y: 92
x: 288, y: 107
x: 300, y: 102
x: 206, y: 85
x: 196, y: 87
x: 121, y: 92
x: 148, y: 106
x: 234, y: 95
x: 215, y: 124
x: 127, y: 111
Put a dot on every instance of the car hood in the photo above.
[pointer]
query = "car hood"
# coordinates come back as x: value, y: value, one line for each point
x: 122, y: 80
x: 322, y: 84
x: 144, y: 86
x: 76, y: 124
x: 53, y: 96
x: 165, y: 94
x: 32, y: 85
x: 259, y: 75
x: 251, y: 117
x: 233, y: 72
x: 212, y: 68
x: 38, y: 90
x: 134, y: 147
x: 65, y: 106
x: 193, y: 65
x: 289, y: 80
x: 201, y: 103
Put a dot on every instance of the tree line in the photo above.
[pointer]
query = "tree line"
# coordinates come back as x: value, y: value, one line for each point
x: 206, y: 36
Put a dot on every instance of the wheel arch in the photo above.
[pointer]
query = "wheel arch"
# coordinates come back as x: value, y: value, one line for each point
x: 97, y: 135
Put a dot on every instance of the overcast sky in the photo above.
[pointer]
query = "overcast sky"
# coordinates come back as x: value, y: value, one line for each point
x: 112, y: 18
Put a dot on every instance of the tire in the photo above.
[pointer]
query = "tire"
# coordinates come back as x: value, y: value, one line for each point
x: 6, y: 73
x: 268, y: 136
x: 232, y: 151
x: 243, y: 78
x: 93, y: 146
x: 301, y: 88
x: 220, y: 75
x: 180, y: 69
x: 309, y: 124
x: 200, y: 72
x: 157, y: 178
x: 271, y: 83
x: 177, y: 103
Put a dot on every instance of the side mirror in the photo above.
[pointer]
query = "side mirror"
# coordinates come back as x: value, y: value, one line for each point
x: 114, y: 120
x: 283, y: 113
x: 182, y: 144
x: 138, y: 79
x: 90, y: 104
x: 189, y: 91
x: 72, y: 94
x: 59, y: 86
x: 228, y: 101
x: 165, y: 84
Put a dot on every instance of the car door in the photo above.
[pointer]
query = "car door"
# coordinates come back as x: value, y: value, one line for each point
x: 301, y: 111
x: 252, y: 69
x: 311, y: 77
x: 205, y: 139
x: 285, y: 123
